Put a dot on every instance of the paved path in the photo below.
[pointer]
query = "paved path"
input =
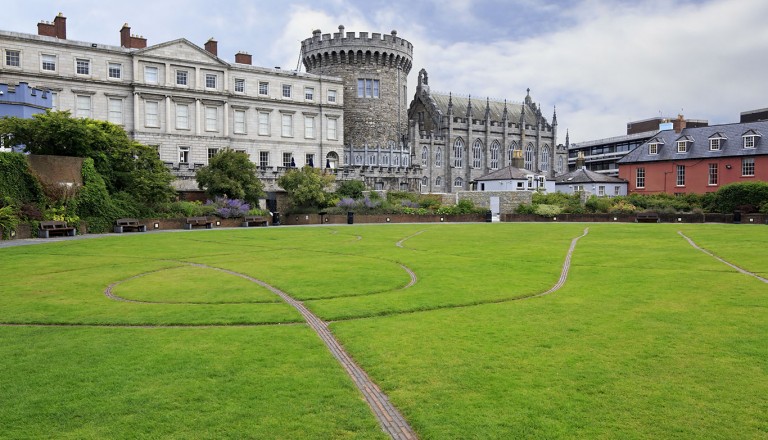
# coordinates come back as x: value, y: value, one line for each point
x: 745, y: 272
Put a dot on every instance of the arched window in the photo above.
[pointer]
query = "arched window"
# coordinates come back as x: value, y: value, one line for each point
x: 396, y: 160
x: 495, y: 155
x: 458, y: 182
x: 424, y: 182
x: 529, y: 157
x: 346, y: 159
x: 510, y: 152
x: 438, y: 181
x: 331, y: 160
x: 477, y: 149
x: 405, y: 161
x: 560, y: 163
x: 544, y: 166
x: 372, y: 159
x: 439, y: 157
x: 358, y: 159
x: 385, y: 160
x: 458, y: 153
x: 390, y: 145
x: 424, y: 156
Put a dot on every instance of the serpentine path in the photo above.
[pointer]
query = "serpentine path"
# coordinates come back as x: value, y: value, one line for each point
x: 745, y: 272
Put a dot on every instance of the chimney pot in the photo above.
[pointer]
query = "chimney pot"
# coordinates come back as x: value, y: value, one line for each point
x: 243, y: 58
x: 212, y: 46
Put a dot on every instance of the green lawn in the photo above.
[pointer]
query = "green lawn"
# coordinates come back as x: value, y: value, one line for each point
x: 649, y: 338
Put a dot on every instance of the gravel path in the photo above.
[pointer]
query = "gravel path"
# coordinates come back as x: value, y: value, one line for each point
x: 745, y: 272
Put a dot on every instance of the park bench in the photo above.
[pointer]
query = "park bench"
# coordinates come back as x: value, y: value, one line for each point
x: 198, y: 221
x: 55, y: 227
x: 128, y: 225
x: 254, y: 220
x: 647, y: 217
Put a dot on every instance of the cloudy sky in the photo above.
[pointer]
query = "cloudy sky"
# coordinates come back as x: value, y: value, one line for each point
x: 602, y: 63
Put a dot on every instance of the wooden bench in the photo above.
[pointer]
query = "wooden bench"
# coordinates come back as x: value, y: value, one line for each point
x: 128, y: 225
x: 254, y: 220
x: 647, y: 217
x: 198, y: 221
x: 54, y: 227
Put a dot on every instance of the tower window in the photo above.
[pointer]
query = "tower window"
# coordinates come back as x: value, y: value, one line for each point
x: 367, y: 88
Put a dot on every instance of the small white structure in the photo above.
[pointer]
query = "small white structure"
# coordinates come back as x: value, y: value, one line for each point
x: 514, y: 179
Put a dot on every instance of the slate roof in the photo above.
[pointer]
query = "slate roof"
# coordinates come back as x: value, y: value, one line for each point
x: 586, y: 176
x: 507, y: 173
x: 478, y: 108
x: 698, y: 146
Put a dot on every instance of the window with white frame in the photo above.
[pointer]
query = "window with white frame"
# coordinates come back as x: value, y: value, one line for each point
x: 212, y: 152
x: 529, y: 157
x: 183, y: 154
x: 239, y: 121
x: 332, y: 96
x: 458, y: 182
x: 601, y: 190
x: 48, y: 62
x: 12, y: 58
x: 263, y: 88
x: 332, y: 128
x: 182, y: 78
x: 653, y: 148
x: 182, y: 116
x: 309, y: 159
x: 680, y: 173
x: 286, y: 125
x: 544, y: 165
x: 287, y: 157
x: 424, y: 156
x: 309, y: 93
x: 211, y: 80
x: 715, y: 144
x: 115, y: 111
x: 477, y: 149
x: 239, y: 85
x: 458, y: 153
x: 712, y: 178
x: 560, y: 164
x: 151, y: 114
x: 54, y: 101
x: 495, y: 155
x: 367, y: 88
x: 82, y: 66
x: 576, y: 188
x: 287, y: 91
x: 682, y: 146
x: 748, y: 166
x: 150, y: 74
x: 263, y: 159
x: 749, y: 141
x: 438, y: 157
x: 640, y: 177
x: 264, y: 123
x: 511, y: 152
x: 114, y: 70
x: 617, y: 190
x: 309, y: 127
x: 83, y: 106
x: 211, y: 119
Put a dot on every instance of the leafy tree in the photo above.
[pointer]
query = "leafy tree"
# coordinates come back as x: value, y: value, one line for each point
x: 745, y: 196
x: 306, y: 187
x: 352, y: 189
x: 230, y: 173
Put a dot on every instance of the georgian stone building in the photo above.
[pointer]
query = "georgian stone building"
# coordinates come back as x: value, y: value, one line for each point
x: 183, y: 99
x: 456, y: 140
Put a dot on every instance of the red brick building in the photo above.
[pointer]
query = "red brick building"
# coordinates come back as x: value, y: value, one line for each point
x: 697, y: 160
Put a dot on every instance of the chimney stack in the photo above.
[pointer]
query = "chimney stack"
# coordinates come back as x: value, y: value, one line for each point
x: 57, y: 29
x: 243, y: 58
x: 129, y: 41
x: 212, y: 46
x: 517, y: 158
x: 580, y: 161
x: 679, y: 123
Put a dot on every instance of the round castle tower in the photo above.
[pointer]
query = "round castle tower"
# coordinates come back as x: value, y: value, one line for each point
x: 374, y: 71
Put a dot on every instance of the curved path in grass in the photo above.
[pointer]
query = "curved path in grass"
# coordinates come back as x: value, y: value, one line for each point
x: 744, y: 271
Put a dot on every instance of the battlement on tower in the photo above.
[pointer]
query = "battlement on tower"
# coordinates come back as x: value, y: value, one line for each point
x: 353, y: 48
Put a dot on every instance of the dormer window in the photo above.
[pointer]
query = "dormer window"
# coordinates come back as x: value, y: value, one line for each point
x: 682, y: 144
x: 716, y: 142
x: 653, y: 148
x: 750, y: 138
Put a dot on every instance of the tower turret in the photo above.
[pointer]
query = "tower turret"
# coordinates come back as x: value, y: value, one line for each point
x: 374, y: 69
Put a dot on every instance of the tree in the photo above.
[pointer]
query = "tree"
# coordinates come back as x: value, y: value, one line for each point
x: 352, y: 189
x: 230, y: 173
x: 306, y: 187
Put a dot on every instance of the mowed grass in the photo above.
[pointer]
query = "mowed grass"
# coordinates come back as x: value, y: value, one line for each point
x: 649, y: 338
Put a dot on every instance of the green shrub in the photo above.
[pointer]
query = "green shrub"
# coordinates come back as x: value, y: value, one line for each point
x: 352, y: 189
x: 17, y: 182
x: 93, y: 202
x: 745, y: 196
x: 548, y: 210
x: 525, y: 208
x: 9, y: 220
x: 598, y: 204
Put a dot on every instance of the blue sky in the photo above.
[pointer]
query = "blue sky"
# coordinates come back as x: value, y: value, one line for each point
x: 602, y: 63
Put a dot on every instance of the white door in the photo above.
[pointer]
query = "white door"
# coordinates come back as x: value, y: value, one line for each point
x: 495, y: 209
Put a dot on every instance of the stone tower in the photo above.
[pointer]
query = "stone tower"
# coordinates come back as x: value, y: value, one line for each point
x: 374, y: 70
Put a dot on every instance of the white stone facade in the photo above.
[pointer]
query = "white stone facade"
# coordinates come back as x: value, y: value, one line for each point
x: 187, y: 101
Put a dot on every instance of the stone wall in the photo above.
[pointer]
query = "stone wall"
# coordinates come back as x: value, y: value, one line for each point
x: 508, y: 200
